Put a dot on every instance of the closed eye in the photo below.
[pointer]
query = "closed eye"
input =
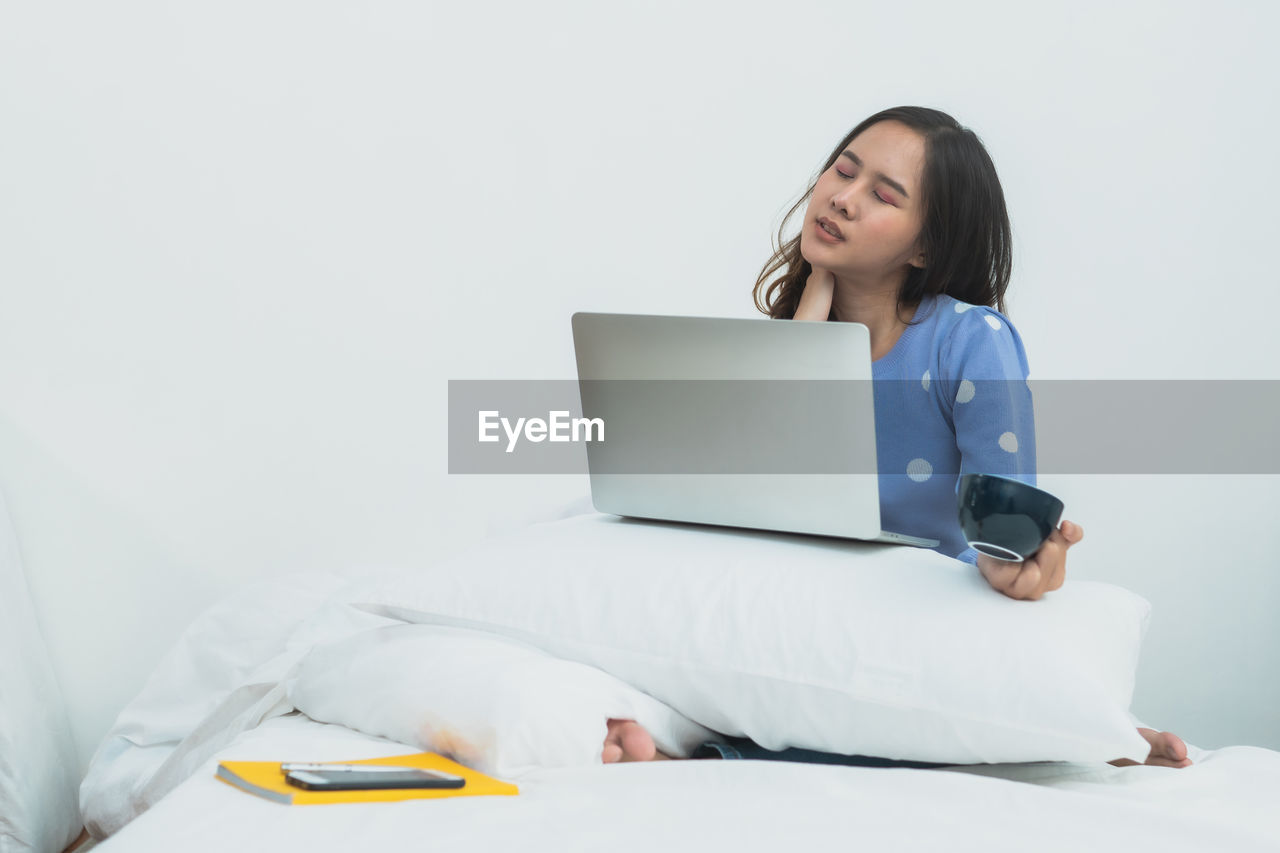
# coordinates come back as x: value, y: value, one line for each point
x: 881, y: 177
x: 879, y: 197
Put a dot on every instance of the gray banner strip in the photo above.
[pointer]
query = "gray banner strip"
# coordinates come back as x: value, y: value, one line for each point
x: 805, y: 427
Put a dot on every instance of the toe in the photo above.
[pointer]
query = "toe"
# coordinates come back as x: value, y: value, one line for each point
x: 637, y: 744
x: 1171, y: 749
x: 1167, y: 749
x: 627, y: 740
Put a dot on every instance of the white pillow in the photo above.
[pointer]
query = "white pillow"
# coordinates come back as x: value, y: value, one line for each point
x: 802, y: 641
x: 489, y: 702
x: 38, y: 765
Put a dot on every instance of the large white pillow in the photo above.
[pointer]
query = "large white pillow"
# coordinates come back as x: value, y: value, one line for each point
x: 38, y: 766
x: 803, y: 641
x: 491, y: 703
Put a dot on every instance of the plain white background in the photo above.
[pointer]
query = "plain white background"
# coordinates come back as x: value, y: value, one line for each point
x: 243, y: 247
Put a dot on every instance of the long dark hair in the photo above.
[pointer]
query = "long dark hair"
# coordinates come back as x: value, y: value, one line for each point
x: 965, y: 236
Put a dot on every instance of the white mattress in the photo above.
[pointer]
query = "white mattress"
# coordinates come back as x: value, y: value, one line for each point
x: 1223, y: 802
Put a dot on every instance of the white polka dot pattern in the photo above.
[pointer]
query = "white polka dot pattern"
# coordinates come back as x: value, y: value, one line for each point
x: 919, y: 470
x: 1009, y: 442
x: 965, y: 392
x: 924, y: 380
x: 993, y: 323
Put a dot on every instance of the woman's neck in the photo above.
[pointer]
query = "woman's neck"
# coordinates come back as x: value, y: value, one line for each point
x: 875, y: 309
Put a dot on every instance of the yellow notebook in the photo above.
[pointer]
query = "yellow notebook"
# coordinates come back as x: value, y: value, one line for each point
x: 266, y: 779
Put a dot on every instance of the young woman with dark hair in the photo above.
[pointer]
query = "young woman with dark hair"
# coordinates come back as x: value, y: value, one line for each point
x: 906, y: 232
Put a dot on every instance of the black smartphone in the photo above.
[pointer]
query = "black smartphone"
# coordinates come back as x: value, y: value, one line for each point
x: 370, y: 780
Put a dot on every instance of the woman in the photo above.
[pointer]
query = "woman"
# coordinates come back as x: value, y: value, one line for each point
x: 906, y: 232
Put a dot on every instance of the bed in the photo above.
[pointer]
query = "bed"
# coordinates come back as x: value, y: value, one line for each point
x: 37, y: 757
x: 510, y: 657
x: 1221, y: 803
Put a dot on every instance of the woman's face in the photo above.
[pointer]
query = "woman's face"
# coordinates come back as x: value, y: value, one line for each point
x: 871, y: 198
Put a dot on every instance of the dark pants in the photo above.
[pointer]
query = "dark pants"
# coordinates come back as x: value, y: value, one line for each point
x: 742, y: 748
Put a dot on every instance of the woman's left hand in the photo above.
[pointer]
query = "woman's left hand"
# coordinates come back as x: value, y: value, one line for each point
x: 1043, y: 572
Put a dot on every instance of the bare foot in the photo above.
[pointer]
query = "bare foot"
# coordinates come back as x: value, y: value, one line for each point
x: 1167, y: 750
x: 627, y: 740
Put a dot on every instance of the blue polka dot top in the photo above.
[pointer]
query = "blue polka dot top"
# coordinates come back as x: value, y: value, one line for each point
x: 951, y: 398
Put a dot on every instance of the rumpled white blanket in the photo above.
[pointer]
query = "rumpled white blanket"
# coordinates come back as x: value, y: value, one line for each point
x: 222, y: 678
x: 1225, y: 802
x: 491, y: 702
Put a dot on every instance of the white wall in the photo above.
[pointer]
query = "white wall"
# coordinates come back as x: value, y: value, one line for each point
x: 244, y: 245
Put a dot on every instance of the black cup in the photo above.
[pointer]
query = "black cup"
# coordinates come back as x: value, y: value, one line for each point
x: 1005, y: 519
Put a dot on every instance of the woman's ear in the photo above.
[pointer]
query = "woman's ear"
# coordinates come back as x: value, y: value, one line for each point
x: 917, y: 261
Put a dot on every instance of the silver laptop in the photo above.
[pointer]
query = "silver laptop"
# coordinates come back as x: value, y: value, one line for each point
x: 757, y: 423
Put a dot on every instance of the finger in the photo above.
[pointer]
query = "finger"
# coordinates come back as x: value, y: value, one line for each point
x: 1052, y: 569
x: 1000, y: 574
x: 1071, y: 531
x: 1057, y: 538
x: 1052, y: 554
x: 1016, y: 580
x: 1027, y: 582
x: 1052, y: 561
x: 1059, y: 577
x: 1056, y: 572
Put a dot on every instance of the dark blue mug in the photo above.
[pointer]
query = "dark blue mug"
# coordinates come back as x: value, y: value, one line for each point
x: 1003, y: 518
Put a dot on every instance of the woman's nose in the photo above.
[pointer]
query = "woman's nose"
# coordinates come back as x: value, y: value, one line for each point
x: 844, y: 202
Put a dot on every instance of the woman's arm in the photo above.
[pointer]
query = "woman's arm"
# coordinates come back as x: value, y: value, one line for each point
x: 985, y: 370
x: 815, y: 299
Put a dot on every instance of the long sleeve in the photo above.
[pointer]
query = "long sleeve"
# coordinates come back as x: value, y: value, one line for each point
x: 985, y: 379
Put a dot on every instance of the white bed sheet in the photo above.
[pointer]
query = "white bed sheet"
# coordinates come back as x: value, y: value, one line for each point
x: 37, y: 754
x: 1223, y: 802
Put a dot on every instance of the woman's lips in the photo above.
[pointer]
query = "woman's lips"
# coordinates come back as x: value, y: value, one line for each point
x: 824, y: 234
